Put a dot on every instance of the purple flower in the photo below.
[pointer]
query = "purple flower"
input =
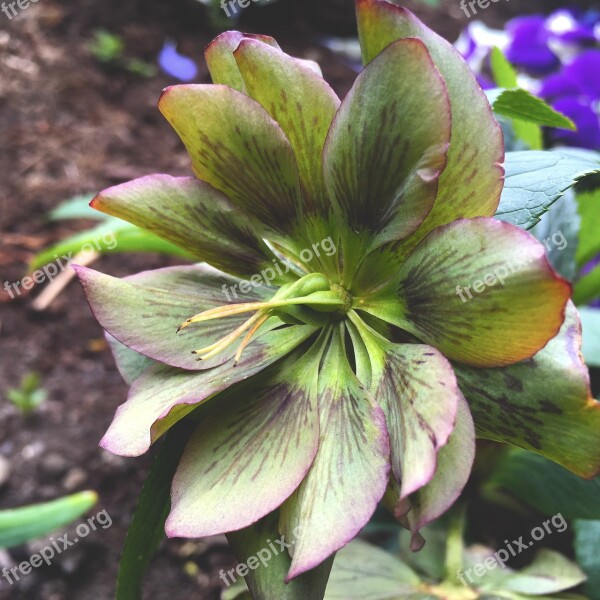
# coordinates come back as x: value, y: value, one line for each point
x: 528, y: 47
x: 572, y: 27
x: 586, y: 119
x: 174, y: 64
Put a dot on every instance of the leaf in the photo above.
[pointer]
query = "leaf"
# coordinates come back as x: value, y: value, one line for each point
x: 590, y: 322
x: 266, y: 579
x: 21, y: 525
x: 589, y: 240
x: 147, y: 526
x: 503, y: 72
x: 536, y: 180
x: 362, y: 571
x: 524, y: 106
x: 112, y: 236
x: 587, y: 288
x: 558, y: 230
x: 587, y: 534
x: 546, y: 486
x: 77, y: 207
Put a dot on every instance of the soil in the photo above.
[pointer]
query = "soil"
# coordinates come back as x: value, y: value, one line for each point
x: 69, y: 126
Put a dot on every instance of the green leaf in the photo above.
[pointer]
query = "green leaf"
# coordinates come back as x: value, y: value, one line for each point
x: 503, y: 72
x: 558, y: 230
x: 21, y: 525
x: 536, y: 180
x: 147, y: 526
x: 587, y: 534
x: 590, y: 322
x: 76, y: 208
x: 546, y: 486
x: 587, y: 288
x: 589, y: 240
x: 524, y: 106
x: 267, y: 569
x: 111, y: 237
x: 363, y: 571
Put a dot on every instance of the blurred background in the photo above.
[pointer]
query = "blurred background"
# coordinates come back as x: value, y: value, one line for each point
x: 79, y: 82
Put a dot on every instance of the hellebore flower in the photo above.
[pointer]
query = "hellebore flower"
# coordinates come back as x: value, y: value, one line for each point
x: 336, y: 376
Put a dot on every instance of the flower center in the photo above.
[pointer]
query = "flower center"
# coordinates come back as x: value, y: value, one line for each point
x: 307, y: 301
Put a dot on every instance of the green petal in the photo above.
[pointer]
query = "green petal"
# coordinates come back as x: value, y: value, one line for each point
x: 192, y: 215
x: 350, y: 471
x: 543, y: 404
x: 300, y: 101
x: 239, y: 149
x: 471, y: 184
x: 164, y: 395
x: 130, y: 364
x: 479, y: 290
x: 419, y: 395
x: 388, y: 143
x: 454, y: 462
x: 250, y: 452
x: 221, y: 62
x: 144, y: 311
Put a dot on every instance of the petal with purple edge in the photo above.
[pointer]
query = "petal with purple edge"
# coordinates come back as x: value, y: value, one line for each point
x: 471, y: 184
x: 388, y: 143
x: 543, y: 404
x: 479, y: 290
x: 192, y: 215
x: 221, y: 62
x: 300, y: 101
x: 419, y: 395
x: 350, y: 471
x: 250, y: 452
x: 164, y: 395
x: 239, y: 149
x: 144, y: 311
x: 455, y: 461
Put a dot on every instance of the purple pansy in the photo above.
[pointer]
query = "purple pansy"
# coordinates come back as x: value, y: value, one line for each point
x: 529, y: 44
x: 175, y: 64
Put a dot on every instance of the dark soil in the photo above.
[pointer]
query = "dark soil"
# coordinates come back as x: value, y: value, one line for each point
x: 70, y: 125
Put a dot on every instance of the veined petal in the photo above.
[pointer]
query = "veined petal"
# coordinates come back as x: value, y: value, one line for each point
x: 239, y: 149
x: 221, y: 62
x: 388, y: 143
x: 480, y: 291
x: 131, y: 364
x: 419, y: 395
x: 454, y: 464
x: 543, y: 404
x: 164, y: 395
x: 471, y: 184
x: 250, y: 452
x: 350, y: 471
x: 144, y: 311
x: 300, y: 101
x: 192, y: 215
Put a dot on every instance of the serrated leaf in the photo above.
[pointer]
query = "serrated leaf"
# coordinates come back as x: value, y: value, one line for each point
x: 535, y: 180
x: 20, y: 525
x: 147, y: 526
x: 520, y: 104
x: 546, y: 486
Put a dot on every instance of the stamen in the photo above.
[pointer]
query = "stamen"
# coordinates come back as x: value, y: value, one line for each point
x: 249, y: 336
